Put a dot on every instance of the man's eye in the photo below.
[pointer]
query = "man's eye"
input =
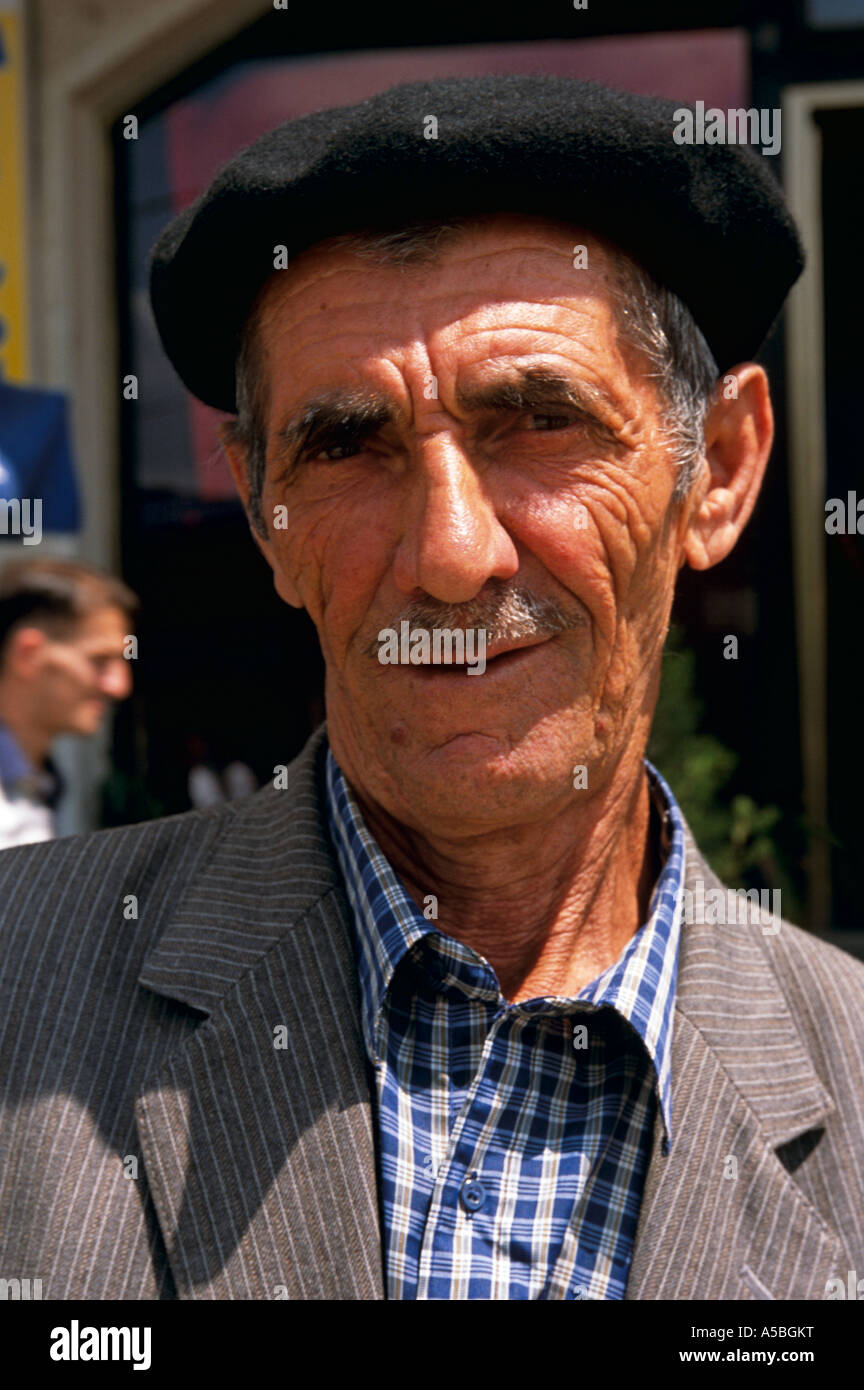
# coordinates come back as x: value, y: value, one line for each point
x: 538, y: 423
x: 335, y: 452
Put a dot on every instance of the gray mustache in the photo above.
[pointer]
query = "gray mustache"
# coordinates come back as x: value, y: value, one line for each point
x: 513, y: 615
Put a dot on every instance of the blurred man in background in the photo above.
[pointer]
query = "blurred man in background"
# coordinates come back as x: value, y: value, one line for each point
x: 63, y: 633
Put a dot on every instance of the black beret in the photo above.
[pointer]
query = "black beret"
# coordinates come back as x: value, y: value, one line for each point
x: 708, y: 221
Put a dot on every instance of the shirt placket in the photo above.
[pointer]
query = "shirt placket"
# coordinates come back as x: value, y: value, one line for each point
x: 459, y: 1193
x: 571, y: 1278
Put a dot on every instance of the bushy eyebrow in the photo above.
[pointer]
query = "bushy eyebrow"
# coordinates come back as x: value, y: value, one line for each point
x: 351, y: 413
x: 536, y: 388
x: 355, y: 413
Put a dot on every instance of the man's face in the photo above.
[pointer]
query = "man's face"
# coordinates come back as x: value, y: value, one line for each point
x: 456, y: 491
x: 78, y: 675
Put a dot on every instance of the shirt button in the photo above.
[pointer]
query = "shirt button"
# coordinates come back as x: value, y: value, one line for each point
x: 473, y: 1194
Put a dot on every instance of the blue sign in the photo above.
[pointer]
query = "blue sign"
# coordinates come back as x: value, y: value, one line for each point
x: 36, y: 454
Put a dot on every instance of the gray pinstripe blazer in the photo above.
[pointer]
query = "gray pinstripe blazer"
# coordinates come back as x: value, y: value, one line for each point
x: 154, y: 1143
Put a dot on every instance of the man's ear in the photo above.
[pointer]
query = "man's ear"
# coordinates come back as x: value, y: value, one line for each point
x: 25, y: 652
x: 739, y: 430
x: 236, y: 454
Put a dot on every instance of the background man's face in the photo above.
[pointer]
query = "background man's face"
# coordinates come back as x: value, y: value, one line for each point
x: 80, y: 673
x: 449, y: 500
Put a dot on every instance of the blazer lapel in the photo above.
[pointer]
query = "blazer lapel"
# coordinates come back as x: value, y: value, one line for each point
x: 257, y: 1136
x: 721, y: 1216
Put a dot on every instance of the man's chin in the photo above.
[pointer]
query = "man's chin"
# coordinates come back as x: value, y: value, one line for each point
x: 473, y: 746
x: 443, y: 739
x: 480, y: 778
x: 87, y: 724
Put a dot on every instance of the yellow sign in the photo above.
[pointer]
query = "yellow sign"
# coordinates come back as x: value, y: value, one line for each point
x: 14, y: 335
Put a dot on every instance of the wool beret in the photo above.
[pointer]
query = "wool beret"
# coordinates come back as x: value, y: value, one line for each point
x: 707, y: 220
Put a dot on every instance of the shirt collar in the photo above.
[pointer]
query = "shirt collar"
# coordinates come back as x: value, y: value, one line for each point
x: 640, y: 985
x: 387, y: 919
x: 20, y: 776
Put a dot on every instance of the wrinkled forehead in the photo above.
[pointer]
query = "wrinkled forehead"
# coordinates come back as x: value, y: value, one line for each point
x: 482, y: 259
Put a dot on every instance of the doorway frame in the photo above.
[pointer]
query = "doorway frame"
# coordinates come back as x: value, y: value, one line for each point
x: 805, y: 395
x: 73, y: 104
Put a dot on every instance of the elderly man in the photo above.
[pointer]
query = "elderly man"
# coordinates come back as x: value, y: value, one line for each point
x: 425, y: 1019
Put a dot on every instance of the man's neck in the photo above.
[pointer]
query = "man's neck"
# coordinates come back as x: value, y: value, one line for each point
x: 32, y: 740
x: 550, y: 906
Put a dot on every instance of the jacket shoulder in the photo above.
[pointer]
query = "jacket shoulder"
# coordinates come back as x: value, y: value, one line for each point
x: 823, y: 984
x: 83, y: 877
x: 803, y: 962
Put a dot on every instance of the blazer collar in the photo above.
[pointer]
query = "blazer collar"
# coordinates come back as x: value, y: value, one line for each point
x: 729, y: 992
x: 268, y: 868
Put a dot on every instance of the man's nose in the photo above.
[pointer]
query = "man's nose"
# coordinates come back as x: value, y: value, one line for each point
x: 452, y: 540
x: 116, y: 680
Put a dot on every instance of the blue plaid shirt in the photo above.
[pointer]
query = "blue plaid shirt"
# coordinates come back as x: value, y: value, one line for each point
x: 514, y: 1138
